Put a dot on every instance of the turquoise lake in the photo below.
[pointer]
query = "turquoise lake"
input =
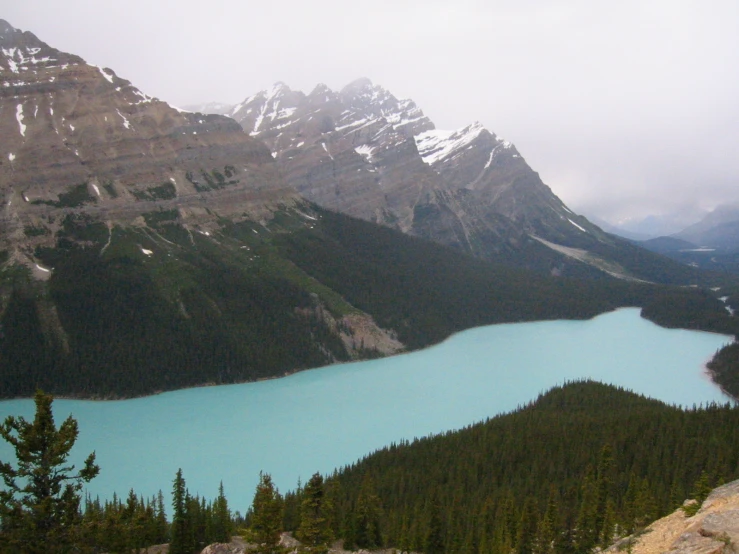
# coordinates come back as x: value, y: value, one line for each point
x: 324, y: 418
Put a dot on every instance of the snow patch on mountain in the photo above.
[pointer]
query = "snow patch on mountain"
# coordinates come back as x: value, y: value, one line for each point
x: 435, y: 145
x: 104, y: 73
x: 365, y: 151
x: 270, y: 109
x: 19, y: 117
x: 576, y: 225
x: 20, y: 58
x: 126, y: 123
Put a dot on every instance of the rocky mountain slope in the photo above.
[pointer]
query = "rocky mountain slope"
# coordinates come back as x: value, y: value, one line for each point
x: 366, y: 153
x: 78, y: 137
x: 111, y: 202
x: 714, y: 529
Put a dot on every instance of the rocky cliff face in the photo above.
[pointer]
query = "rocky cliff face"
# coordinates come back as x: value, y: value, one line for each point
x: 714, y: 529
x: 76, y: 137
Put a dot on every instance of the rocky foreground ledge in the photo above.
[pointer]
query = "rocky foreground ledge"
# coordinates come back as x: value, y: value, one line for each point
x: 714, y: 529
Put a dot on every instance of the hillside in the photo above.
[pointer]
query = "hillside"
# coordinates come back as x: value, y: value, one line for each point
x: 582, y: 465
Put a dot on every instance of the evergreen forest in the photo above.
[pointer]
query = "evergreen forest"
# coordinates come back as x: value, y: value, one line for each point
x: 137, y: 310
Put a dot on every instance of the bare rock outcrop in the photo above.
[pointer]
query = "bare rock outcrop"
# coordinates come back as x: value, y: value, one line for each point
x: 223, y: 548
x: 714, y: 529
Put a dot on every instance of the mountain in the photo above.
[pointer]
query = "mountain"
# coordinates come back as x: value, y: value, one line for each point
x: 366, y: 153
x: 78, y: 136
x: 668, y: 245
x: 113, y: 277
x: 653, y: 226
x: 218, y: 108
x: 718, y: 229
x: 143, y: 248
x: 712, y: 243
x: 616, y: 229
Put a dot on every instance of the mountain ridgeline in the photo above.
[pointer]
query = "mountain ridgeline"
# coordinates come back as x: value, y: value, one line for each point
x: 143, y: 248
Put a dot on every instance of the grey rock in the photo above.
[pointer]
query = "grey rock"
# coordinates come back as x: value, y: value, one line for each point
x: 722, y: 526
x: 221, y: 548
x: 695, y: 543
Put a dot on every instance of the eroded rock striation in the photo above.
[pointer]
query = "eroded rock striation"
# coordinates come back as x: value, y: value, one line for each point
x: 76, y: 137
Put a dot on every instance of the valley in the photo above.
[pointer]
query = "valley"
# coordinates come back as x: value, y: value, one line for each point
x: 144, y: 248
x: 171, y: 277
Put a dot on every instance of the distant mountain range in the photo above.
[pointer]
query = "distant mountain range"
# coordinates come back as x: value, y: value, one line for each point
x: 719, y: 229
x: 711, y: 243
x: 145, y: 248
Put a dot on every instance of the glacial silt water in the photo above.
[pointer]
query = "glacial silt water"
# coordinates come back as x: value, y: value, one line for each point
x: 321, y: 419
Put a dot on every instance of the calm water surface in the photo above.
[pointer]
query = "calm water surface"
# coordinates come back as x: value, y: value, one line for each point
x: 325, y: 418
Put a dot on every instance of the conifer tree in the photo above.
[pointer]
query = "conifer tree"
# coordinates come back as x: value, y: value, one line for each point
x: 546, y: 533
x: 222, y: 527
x: 527, y: 528
x: 367, y: 516
x: 181, y: 540
x: 162, y: 527
x: 434, y: 543
x: 314, y: 529
x: 40, y: 502
x: 267, y: 514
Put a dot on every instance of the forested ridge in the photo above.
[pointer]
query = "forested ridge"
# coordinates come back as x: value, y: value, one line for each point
x: 579, y: 467
x: 136, y: 310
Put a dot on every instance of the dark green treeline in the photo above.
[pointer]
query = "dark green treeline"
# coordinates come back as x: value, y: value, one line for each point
x: 584, y: 464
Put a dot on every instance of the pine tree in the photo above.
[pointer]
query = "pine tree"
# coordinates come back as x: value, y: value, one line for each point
x: 434, y: 543
x: 162, y: 527
x: 367, y: 516
x: 222, y: 527
x: 267, y: 514
x: 546, y: 533
x: 40, y: 503
x: 603, y: 523
x: 526, y: 536
x: 700, y: 492
x: 314, y: 528
x: 181, y: 540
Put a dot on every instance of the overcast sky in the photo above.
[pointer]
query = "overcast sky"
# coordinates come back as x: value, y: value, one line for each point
x: 625, y: 108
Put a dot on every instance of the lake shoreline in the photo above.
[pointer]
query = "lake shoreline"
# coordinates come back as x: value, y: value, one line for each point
x: 116, y: 398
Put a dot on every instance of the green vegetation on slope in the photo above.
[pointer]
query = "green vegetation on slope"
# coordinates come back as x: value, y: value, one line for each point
x: 134, y: 310
x: 582, y: 464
